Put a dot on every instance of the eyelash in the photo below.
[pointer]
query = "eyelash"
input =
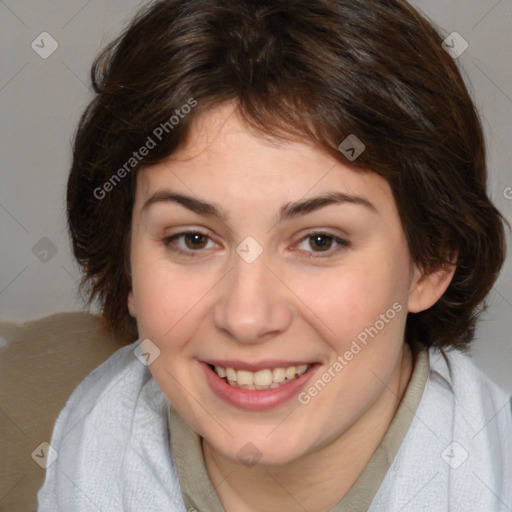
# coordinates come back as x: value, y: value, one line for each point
x: 342, y: 244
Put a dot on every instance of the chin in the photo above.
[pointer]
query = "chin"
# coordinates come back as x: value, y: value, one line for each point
x: 260, y: 449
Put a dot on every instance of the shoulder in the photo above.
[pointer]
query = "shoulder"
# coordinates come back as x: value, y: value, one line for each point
x: 114, y: 421
x: 457, y: 453
x: 110, y: 389
x: 120, y: 375
x: 481, y: 411
x: 472, y: 390
x: 477, y: 419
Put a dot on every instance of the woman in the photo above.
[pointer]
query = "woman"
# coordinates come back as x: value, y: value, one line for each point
x: 284, y: 204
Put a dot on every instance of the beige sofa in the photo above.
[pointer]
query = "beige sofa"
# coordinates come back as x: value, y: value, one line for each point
x: 41, y: 362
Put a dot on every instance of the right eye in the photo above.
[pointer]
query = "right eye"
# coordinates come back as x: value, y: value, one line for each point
x: 194, y: 241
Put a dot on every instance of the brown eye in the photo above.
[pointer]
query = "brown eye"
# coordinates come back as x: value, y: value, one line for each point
x: 195, y: 240
x: 318, y: 242
x: 322, y: 242
x: 190, y: 243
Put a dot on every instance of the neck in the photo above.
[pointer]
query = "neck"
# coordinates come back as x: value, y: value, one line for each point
x: 337, y: 465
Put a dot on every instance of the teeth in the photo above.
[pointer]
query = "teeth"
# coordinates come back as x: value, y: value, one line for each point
x: 279, y: 374
x: 230, y: 374
x: 244, y: 378
x: 262, y: 379
x: 290, y: 372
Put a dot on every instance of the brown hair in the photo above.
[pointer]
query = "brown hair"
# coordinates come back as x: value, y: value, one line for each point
x: 316, y: 70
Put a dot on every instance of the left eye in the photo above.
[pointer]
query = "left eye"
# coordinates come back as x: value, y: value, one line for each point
x: 323, y: 242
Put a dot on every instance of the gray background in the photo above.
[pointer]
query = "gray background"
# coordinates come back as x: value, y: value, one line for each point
x: 41, y: 100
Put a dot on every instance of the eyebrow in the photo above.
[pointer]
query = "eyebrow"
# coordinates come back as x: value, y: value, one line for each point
x: 288, y: 211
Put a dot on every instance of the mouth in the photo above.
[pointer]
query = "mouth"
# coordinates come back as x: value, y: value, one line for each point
x: 267, y: 386
x: 266, y: 378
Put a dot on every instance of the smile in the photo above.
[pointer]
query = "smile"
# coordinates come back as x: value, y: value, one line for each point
x: 262, y: 379
x: 264, y: 386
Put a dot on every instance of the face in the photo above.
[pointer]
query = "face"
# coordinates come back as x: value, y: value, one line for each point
x: 235, y: 264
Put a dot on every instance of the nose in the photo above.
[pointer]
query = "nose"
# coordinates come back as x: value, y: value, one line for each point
x: 252, y: 304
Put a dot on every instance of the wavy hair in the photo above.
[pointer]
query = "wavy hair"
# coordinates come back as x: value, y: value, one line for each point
x: 316, y: 70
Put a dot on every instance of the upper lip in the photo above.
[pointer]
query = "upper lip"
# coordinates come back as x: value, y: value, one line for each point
x: 255, y: 366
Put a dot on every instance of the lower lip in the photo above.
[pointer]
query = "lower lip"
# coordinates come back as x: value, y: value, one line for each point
x: 257, y: 399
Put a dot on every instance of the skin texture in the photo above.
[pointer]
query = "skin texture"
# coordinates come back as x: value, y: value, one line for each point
x: 286, y: 305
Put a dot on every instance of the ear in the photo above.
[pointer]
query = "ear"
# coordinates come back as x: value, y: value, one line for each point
x: 427, y: 288
x: 131, y: 304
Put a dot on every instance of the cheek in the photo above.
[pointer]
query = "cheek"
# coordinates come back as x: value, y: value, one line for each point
x: 163, y: 297
x: 350, y: 299
x: 360, y: 313
x: 173, y: 310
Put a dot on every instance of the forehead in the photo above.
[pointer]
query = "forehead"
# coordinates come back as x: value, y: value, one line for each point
x: 227, y: 159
